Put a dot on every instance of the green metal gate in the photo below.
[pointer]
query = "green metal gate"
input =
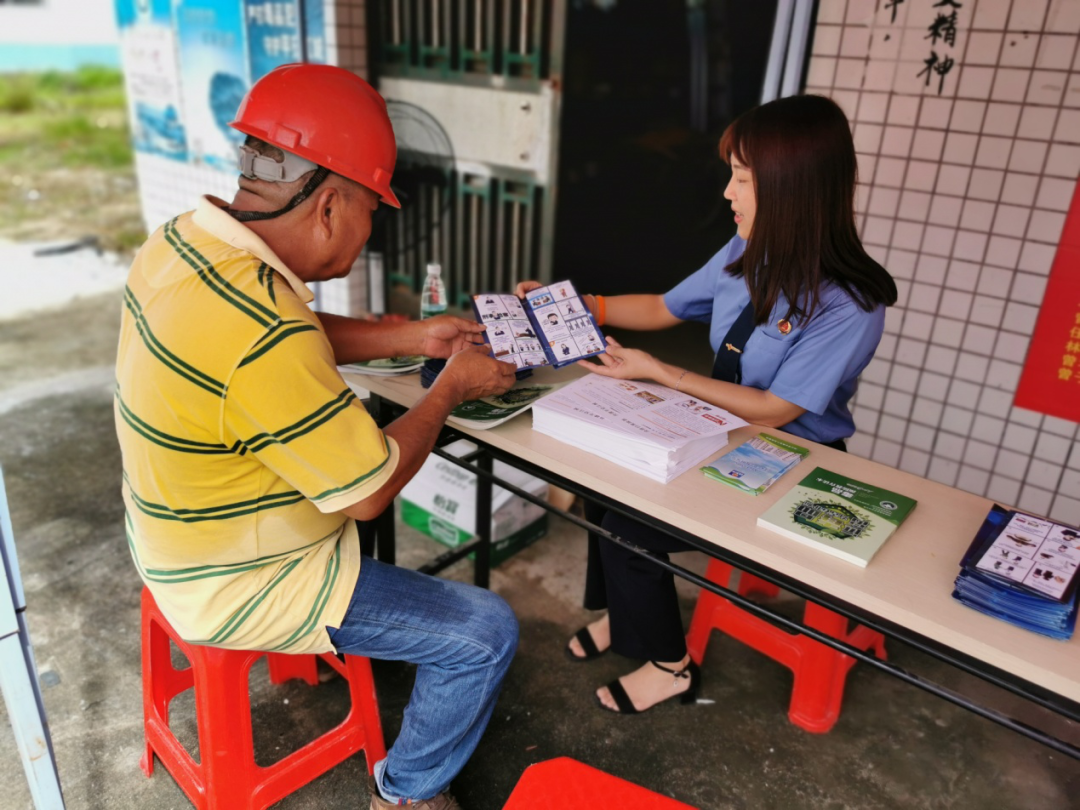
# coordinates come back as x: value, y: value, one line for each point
x: 489, y: 73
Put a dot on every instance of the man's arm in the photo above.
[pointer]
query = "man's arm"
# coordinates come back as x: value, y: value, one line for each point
x: 469, y: 374
x: 354, y: 340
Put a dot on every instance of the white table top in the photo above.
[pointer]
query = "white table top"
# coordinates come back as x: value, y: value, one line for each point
x: 909, y: 582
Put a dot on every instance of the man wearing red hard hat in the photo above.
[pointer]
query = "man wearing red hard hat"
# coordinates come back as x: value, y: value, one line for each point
x: 246, y: 456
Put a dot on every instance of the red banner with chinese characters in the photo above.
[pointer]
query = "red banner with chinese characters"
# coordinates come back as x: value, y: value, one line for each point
x: 1050, y: 382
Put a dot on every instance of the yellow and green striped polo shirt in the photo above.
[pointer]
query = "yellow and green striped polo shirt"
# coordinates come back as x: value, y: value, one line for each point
x: 241, y: 442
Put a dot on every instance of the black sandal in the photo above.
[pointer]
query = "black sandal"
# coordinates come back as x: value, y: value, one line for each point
x: 585, y: 639
x: 626, y: 706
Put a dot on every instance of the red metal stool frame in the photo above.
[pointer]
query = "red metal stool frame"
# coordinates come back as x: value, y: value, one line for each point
x: 227, y: 778
x: 820, y: 671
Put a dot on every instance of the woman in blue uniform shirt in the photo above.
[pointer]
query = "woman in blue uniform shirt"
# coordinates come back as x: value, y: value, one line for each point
x: 796, y: 309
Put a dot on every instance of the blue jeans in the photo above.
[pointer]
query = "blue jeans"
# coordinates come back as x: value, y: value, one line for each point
x: 462, y: 637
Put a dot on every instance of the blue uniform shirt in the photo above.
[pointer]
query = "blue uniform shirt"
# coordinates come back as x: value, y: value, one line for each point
x: 815, y: 366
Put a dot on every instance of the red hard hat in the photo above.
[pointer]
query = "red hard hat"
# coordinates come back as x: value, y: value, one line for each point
x: 327, y: 115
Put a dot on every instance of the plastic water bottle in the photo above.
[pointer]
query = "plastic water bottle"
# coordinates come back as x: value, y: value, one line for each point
x: 433, y: 297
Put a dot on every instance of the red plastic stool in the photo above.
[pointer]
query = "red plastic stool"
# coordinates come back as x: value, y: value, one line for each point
x: 820, y: 671
x: 227, y: 778
x: 566, y: 784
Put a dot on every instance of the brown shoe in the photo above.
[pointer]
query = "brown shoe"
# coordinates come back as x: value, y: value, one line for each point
x: 444, y: 801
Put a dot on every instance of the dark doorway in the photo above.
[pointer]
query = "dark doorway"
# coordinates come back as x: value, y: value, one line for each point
x: 649, y: 87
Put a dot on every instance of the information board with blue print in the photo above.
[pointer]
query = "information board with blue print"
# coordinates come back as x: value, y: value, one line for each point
x: 214, y: 72
x: 188, y: 64
x: 314, y: 31
x: 273, y: 30
x: 151, y: 77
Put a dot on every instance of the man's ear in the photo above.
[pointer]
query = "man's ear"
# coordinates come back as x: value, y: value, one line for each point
x: 327, y: 211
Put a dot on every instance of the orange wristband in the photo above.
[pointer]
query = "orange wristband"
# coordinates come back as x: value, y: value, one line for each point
x: 601, y: 310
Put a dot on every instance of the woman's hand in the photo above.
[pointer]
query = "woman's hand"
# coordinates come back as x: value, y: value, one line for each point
x: 624, y: 364
x: 525, y: 287
x: 446, y: 335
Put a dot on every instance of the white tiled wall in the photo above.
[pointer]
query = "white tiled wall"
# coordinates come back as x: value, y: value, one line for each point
x: 963, y: 199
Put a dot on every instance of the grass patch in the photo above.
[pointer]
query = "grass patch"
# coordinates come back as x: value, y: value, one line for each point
x: 66, y: 157
x: 71, y: 119
x: 91, y: 86
x: 16, y: 97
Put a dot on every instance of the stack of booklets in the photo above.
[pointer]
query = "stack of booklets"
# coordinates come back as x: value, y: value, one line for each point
x: 1022, y: 569
x: 838, y: 515
x: 388, y: 367
x: 756, y: 464
x: 647, y: 428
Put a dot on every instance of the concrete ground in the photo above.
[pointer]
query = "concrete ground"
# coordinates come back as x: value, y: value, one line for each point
x: 893, y: 747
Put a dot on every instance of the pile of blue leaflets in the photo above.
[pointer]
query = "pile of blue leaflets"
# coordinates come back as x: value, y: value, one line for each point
x: 430, y: 370
x: 1022, y: 569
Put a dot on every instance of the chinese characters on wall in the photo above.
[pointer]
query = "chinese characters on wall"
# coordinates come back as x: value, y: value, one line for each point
x: 942, y: 36
x: 941, y: 32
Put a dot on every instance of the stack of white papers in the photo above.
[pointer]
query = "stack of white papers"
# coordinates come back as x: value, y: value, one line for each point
x: 647, y: 428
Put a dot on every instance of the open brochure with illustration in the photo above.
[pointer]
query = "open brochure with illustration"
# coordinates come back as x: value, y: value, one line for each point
x: 838, y: 515
x: 1023, y: 569
x: 481, y: 414
x: 756, y: 464
x: 552, y: 326
x: 645, y: 427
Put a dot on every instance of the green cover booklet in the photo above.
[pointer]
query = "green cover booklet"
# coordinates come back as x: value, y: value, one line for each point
x: 843, y: 517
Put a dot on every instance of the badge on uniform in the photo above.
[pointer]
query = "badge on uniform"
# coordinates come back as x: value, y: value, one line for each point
x: 784, y: 325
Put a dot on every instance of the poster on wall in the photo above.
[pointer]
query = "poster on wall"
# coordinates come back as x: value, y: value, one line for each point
x: 1050, y: 382
x: 315, y: 31
x: 283, y: 31
x: 214, y: 73
x: 188, y: 64
x: 151, y: 78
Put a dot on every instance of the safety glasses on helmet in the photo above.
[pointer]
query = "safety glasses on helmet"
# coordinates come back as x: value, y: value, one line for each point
x: 260, y: 167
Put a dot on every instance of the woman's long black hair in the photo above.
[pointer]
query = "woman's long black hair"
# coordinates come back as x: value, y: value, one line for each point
x: 802, y: 157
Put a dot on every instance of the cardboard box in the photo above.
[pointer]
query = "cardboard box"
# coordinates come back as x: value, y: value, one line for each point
x: 440, y: 501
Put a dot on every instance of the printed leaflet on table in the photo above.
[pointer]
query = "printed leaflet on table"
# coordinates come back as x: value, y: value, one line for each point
x: 481, y: 414
x: 1022, y: 569
x: 478, y: 414
x: 647, y: 428
x: 552, y: 326
x: 838, y: 515
x: 756, y: 464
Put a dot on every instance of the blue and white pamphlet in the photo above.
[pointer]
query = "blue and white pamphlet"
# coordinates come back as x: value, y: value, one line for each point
x: 1023, y: 569
x: 551, y: 326
x: 754, y: 465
